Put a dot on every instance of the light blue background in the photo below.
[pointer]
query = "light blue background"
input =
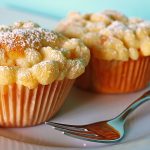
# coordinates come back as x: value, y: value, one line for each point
x: 59, y: 8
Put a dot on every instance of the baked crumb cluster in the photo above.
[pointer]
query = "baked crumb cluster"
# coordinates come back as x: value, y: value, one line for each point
x: 30, y: 55
x: 110, y: 35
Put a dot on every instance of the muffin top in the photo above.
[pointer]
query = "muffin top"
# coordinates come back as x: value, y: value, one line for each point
x: 110, y: 35
x: 30, y: 55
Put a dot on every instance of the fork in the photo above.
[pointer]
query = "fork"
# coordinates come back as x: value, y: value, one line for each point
x: 108, y: 131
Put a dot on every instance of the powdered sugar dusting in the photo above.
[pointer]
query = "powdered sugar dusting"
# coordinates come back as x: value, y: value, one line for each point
x: 25, y: 35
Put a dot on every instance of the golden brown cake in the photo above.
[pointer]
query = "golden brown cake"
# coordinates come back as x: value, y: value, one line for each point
x: 37, y: 70
x: 120, y: 50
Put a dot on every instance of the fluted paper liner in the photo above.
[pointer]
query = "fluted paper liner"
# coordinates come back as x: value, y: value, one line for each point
x: 116, y: 76
x: 20, y: 106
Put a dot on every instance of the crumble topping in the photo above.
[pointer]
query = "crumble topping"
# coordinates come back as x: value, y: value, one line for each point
x: 110, y: 34
x: 30, y: 55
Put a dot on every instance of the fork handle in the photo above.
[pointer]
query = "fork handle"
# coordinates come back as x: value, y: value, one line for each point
x: 144, y: 98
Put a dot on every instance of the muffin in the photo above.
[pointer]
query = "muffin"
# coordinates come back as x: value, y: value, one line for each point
x: 120, y: 50
x: 37, y: 70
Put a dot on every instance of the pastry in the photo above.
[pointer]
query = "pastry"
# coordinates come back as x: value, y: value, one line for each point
x: 37, y: 70
x: 120, y: 50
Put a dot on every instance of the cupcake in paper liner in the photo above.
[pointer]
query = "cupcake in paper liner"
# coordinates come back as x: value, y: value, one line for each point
x: 37, y: 70
x: 120, y: 50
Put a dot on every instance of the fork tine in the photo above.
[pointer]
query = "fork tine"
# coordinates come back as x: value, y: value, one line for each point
x: 87, y: 137
x: 68, y: 127
x: 76, y: 132
x: 71, y: 128
x: 80, y: 132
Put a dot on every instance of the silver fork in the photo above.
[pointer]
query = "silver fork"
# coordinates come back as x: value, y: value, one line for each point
x: 108, y: 131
